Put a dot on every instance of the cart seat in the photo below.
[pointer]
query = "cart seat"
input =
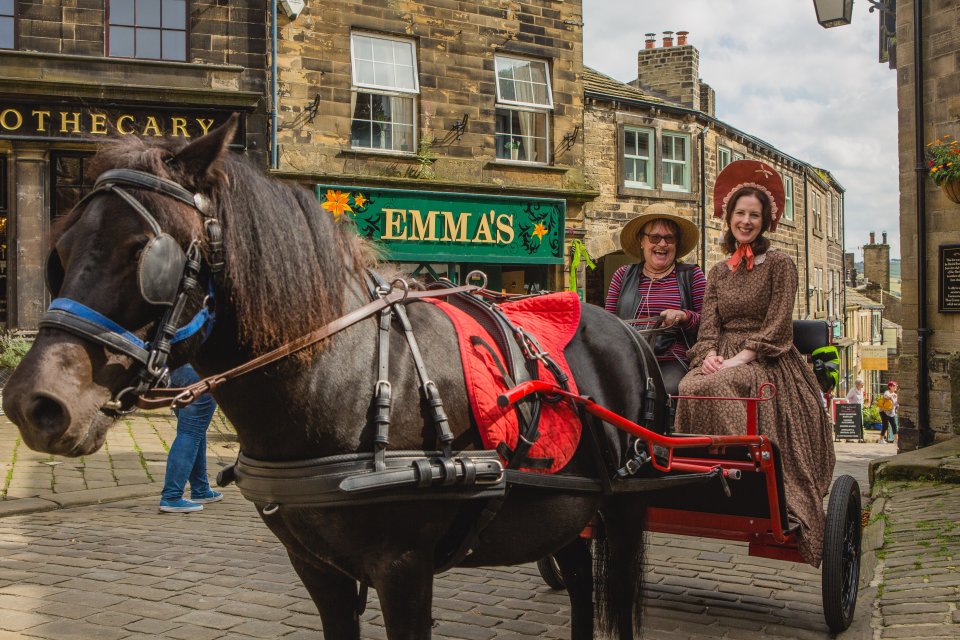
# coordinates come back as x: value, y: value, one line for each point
x: 810, y: 335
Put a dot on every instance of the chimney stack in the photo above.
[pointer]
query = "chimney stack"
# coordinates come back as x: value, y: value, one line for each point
x: 884, y: 238
x: 873, y: 238
x: 672, y: 71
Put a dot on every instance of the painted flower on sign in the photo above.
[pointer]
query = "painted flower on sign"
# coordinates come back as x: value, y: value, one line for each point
x: 359, y: 200
x: 540, y: 230
x: 337, y: 203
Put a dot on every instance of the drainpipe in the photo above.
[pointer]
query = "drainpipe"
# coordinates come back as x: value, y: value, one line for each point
x: 806, y: 241
x: 843, y: 256
x: 273, y: 85
x: 703, y: 197
x: 925, y: 435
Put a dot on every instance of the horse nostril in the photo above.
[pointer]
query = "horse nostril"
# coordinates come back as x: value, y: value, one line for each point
x: 48, y: 415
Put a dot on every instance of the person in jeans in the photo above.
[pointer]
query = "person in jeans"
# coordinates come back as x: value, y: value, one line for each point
x: 187, y: 460
x: 888, y: 416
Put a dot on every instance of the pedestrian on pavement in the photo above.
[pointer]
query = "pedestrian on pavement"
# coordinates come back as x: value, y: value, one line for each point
x: 855, y: 395
x: 888, y: 412
x: 660, y: 286
x: 187, y: 460
x: 746, y: 339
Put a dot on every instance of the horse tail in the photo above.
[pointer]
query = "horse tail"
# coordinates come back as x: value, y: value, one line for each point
x: 618, y: 568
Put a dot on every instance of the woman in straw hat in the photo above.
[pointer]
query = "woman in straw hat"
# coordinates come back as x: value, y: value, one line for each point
x: 659, y: 286
x: 746, y: 339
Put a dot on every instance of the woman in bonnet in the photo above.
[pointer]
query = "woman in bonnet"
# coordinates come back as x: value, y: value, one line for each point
x: 746, y: 339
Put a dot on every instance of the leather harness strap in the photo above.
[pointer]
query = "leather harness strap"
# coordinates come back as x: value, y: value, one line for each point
x: 180, y: 397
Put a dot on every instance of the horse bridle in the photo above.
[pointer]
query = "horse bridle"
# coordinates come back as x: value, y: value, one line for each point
x: 166, y: 277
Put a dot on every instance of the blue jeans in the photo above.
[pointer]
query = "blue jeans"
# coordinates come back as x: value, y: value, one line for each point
x: 187, y: 459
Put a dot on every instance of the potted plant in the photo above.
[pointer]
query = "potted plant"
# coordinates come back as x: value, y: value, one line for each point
x: 514, y: 147
x: 871, y: 417
x: 943, y: 161
x: 12, y: 350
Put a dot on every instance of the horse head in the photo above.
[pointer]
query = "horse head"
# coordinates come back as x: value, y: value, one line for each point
x: 118, y: 272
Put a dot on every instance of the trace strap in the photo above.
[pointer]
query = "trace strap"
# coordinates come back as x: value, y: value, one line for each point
x: 180, y: 397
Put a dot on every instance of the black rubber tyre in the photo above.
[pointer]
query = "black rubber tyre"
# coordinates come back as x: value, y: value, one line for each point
x: 550, y: 572
x: 841, y: 554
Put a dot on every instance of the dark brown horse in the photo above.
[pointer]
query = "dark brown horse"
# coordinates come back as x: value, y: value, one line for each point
x: 291, y: 268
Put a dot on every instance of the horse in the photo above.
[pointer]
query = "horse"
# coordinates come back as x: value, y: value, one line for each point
x: 279, y: 267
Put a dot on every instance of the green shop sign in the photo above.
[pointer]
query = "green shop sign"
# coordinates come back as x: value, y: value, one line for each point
x: 421, y: 226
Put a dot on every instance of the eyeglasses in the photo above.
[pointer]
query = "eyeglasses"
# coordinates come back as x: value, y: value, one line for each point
x: 656, y: 238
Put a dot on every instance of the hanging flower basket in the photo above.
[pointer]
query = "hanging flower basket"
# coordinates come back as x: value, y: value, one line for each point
x: 952, y: 189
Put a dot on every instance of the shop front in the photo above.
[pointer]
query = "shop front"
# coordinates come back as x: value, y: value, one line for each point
x: 516, y: 242
x: 45, y: 148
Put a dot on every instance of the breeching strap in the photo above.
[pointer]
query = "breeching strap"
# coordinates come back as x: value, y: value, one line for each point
x: 180, y: 397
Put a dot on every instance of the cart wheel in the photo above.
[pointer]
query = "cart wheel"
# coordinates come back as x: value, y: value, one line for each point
x: 841, y: 554
x: 550, y: 572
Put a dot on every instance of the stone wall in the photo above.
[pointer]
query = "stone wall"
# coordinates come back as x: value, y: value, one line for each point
x: 455, y: 47
x: 941, y: 94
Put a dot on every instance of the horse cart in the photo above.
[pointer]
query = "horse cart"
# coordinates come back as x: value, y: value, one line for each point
x: 748, y: 502
x: 332, y: 379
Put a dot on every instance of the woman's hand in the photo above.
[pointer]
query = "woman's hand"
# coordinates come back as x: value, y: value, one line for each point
x: 711, y: 364
x: 673, y: 316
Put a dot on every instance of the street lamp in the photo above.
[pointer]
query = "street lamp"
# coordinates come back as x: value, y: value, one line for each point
x: 833, y: 13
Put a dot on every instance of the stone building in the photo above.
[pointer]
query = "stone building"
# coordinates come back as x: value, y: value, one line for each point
x: 452, y: 132
x: 657, y: 139
x: 876, y: 273
x: 929, y: 370
x: 75, y: 72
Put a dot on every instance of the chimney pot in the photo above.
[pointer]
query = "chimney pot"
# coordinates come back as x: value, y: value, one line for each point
x: 651, y: 41
x: 873, y: 237
x: 884, y: 237
x: 682, y: 38
x: 668, y: 38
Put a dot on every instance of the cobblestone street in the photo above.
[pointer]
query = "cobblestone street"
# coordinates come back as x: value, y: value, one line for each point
x: 122, y: 570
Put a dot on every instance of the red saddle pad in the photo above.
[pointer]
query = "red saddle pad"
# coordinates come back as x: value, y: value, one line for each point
x: 552, y: 319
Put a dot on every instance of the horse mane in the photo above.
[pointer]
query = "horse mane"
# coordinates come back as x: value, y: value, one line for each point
x: 287, y: 261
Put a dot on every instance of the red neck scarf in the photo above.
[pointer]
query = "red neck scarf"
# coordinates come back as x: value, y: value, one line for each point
x: 744, y: 251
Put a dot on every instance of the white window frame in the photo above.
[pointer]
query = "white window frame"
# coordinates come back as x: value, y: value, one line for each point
x: 737, y: 156
x: 651, y: 160
x: 359, y: 87
x: 538, y: 109
x: 664, y: 161
x: 817, y: 212
x: 354, y: 36
x: 829, y: 215
x: 721, y: 152
x: 835, y: 212
x: 532, y: 105
x: 818, y: 287
x: 788, y: 197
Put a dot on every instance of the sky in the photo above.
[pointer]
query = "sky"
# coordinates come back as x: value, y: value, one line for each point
x: 819, y: 95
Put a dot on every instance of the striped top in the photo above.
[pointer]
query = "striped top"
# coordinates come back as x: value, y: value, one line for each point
x: 660, y: 295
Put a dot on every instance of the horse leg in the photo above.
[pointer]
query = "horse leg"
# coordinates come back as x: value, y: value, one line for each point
x: 335, y: 596
x: 576, y: 567
x: 619, y: 564
x: 404, y: 584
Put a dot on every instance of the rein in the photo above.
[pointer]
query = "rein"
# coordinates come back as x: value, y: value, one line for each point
x: 180, y: 397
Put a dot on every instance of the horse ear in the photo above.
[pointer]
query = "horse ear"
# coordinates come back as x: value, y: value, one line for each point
x: 197, y: 159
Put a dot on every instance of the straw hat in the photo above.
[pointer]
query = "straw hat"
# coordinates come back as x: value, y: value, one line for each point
x: 630, y: 235
x: 749, y: 173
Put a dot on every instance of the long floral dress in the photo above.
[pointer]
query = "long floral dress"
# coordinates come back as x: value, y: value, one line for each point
x: 753, y: 309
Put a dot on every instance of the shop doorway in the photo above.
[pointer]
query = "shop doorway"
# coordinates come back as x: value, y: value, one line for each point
x: 598, y: 279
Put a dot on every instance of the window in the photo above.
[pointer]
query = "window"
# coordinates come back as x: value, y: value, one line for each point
x: 675, y: 161
x: 148, y: 29
x: 737, y: 156
x: 638, y: 158
x: 788, y: 199
x: 837, y: 293
x: 70, y: 180
x: 8, y: 30
x: 384, y: 85
x: 830, y: 306
x: 818, y: 287
x: 829, y: 215
x: 524, y: 98
x: 723, y: 158
x: 836, y: 217
x: 817, y: 222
